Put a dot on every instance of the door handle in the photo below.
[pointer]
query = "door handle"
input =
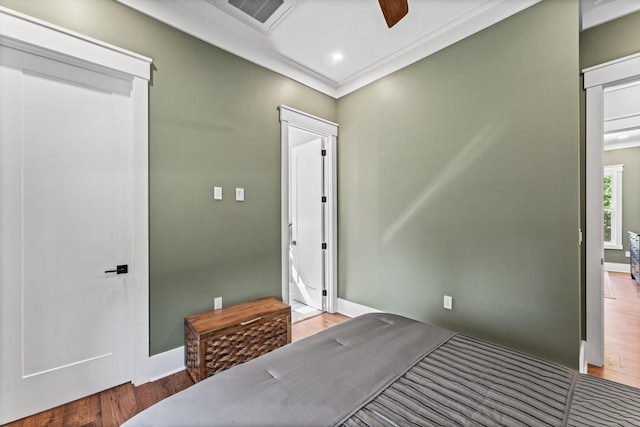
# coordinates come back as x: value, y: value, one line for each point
x: 121, y: 269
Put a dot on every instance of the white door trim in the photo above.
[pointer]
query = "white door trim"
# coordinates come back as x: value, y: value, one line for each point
x: 295, y: 118
x: 596, y: 81
x: 44, y: 39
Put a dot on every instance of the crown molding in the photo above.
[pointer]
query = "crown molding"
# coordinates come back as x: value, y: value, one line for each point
x: 248, y: 46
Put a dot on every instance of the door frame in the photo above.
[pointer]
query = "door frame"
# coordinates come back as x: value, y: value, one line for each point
x: 41, y: 38
x: 290, y: 117
x: 596, y: 81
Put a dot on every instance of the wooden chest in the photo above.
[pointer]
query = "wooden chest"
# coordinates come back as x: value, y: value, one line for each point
x: 219, y: 339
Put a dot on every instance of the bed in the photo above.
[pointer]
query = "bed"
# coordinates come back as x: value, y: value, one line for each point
x: 386, y: 370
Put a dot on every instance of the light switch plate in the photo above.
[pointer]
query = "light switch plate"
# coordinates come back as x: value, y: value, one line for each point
x: 239, y: 194
x: 448, y: 302
x: 217, y: 193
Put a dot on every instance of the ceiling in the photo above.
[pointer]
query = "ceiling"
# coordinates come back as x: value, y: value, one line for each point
x: 338, y: 46
x: 622, y: 116
x: 623, y: 139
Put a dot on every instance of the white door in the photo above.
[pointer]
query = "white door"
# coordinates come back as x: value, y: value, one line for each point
x: 65, y: 212
x: 307, y: 266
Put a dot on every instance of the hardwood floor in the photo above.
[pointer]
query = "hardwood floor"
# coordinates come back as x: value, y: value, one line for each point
x: 114, y: 406
x: 621, y: 331
x: 315, y: 324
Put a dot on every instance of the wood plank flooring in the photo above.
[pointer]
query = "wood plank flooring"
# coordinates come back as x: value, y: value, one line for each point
x: 315, y: 324
x: 621, y: 332
x: 114, y: 406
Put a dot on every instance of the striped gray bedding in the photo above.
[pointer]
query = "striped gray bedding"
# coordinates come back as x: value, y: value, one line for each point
x: 598, y: 402
x: 468, y: 382
x: 386, y: 370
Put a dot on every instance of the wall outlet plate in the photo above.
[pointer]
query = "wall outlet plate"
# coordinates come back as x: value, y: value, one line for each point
x: 217, y: 193
x: 217, y: 303
x: 448, y: 302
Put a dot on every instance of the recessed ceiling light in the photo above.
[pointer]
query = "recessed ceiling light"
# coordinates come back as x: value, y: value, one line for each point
x: 336, y: 57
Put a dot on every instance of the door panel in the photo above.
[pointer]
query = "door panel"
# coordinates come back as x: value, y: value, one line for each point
x: 64, y: 219
x: 307, y: 265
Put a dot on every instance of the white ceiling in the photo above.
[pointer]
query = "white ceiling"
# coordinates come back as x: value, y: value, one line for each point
x: 596, y: 12
x: 622, y: 116
x: 623, y: 139
x: 338, y: 46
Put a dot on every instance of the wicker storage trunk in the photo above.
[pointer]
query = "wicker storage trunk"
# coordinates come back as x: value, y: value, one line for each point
x: 219, y: 339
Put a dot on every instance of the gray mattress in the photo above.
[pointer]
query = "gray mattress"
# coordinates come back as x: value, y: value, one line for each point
x: 387, y: 370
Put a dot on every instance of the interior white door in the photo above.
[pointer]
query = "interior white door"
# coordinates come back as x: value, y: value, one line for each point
x: 307, y: 266
x: 65, y: 213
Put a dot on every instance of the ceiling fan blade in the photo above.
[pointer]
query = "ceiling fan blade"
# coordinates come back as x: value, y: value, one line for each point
x: 393, y: 10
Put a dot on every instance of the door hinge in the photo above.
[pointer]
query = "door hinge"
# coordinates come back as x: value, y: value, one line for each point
x: 324, y: 246
x: 324, y: 292
x: 324, y: 199
x: 323, y: 153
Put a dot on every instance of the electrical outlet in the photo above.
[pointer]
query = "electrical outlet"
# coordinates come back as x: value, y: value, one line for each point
x: 217, y: 303
x: 448, y: 302
x: 627, y: 254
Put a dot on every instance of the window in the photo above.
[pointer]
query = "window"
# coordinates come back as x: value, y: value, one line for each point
x: 612, y: 191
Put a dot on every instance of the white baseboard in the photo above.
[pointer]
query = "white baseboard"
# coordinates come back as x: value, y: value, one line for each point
x: 353, y: 309
x: 619, y: 267
x: 163, y: 364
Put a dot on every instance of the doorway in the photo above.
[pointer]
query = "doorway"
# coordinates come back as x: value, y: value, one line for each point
x: 73, y: 128
x: 308, y: 213
x: 598, y: 81
x: 306, y: 223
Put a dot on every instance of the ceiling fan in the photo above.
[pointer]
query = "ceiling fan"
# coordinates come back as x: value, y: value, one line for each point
x: 393, y: 10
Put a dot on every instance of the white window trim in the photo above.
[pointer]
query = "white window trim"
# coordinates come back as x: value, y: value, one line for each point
x: 615, y: 171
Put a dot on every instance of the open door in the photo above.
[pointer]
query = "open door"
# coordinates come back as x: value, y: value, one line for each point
x: 306, y: 268
x: 309, y: 210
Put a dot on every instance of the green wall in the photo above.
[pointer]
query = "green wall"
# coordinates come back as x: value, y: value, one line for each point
x: 458, y: 175
x: 213, y: 121
x: 611, y: 40
x: 630, y: 158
